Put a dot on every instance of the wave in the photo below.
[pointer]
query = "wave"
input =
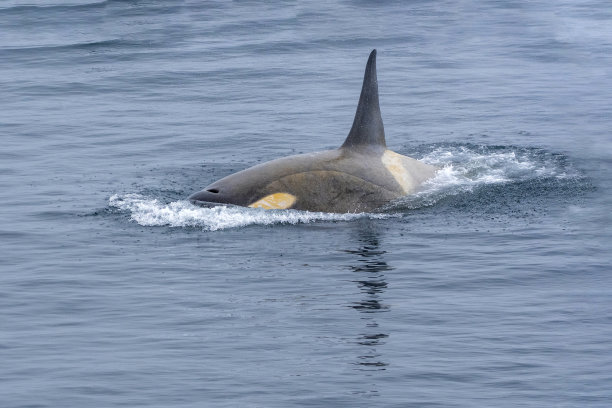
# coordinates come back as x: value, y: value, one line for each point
x: 46, y: 7
x: 465, y: 168
x: 148, y: 211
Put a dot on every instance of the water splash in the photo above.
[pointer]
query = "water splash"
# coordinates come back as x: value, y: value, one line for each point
x: 464, y: 168
x: 149, y: 211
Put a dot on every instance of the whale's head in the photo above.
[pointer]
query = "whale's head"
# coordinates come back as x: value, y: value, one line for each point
x: 211, y: 197
x: 257, y: 187
x: 236, y: 189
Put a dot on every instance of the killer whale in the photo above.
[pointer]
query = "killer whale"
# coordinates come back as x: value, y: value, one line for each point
x: 361, y: 175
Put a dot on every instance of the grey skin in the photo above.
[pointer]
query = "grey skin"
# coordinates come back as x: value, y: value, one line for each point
x: 361, y: 175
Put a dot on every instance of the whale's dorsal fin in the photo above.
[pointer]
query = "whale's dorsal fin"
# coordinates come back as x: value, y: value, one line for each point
x: 368, y: 129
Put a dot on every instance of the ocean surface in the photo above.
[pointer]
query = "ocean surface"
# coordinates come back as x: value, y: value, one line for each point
x: 490, y: 288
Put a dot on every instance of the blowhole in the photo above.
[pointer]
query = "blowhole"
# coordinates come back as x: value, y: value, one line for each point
x: 213, y: 190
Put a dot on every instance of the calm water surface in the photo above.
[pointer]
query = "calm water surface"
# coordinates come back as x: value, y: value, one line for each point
x: 490, y: 288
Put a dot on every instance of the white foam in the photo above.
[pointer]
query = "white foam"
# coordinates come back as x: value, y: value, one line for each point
x: 148, y: 211
x: 462, y: 169
x: 465, y: 168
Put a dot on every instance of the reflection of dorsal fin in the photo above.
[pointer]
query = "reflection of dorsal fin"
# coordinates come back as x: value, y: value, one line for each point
x: 367, y: 130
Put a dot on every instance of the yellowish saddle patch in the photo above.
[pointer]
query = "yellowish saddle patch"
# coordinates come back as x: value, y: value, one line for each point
x: 393, y: 162
x: 276, y: 201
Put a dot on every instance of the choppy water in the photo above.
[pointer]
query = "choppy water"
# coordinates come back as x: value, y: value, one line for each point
x: 491, y: 287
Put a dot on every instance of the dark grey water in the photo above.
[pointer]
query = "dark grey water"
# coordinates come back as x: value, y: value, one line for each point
x: 490, y: 288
